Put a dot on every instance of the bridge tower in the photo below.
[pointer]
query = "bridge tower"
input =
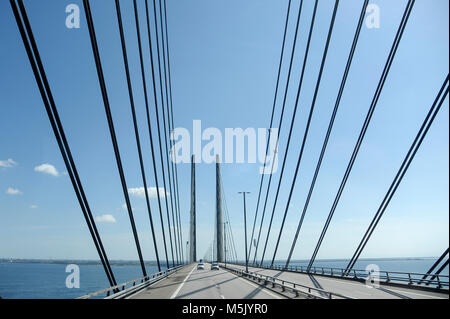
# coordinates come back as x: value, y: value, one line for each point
x: 192, y: 231
x: 219, y: 218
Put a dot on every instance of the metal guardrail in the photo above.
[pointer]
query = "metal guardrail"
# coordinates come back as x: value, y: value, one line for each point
x: 289, y: 286
x: 410, y: 279
x: 121, y: 288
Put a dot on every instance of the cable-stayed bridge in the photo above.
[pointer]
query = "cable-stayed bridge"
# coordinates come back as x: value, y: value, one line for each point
x: 259, y: 275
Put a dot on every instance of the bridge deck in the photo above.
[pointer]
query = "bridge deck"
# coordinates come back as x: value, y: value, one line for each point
x: 348, y: 288
x: 190, y: 283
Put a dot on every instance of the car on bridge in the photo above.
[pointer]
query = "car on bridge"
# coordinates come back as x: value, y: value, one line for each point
x: 215, y: 266
x: 201, y: 266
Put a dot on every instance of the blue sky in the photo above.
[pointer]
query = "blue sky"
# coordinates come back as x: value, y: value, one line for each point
x: 224, y: 60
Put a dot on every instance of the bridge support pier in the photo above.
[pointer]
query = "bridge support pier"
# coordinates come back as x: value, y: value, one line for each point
x: 192, y: 230
x: 219, y: 217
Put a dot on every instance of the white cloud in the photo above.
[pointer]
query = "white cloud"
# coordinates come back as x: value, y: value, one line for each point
x: 47, y: 169
x: 13, y: 191
x: 107, y: 218
x: 125, y: 208
x: 8, y: 163
x: 152, y: 192
x: 33, y: 206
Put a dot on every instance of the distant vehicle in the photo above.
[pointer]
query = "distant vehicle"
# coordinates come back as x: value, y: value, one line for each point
x: 200, y: 266
x: 215, y: 266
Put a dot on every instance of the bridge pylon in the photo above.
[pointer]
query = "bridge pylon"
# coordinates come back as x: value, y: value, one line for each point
x: 219, y: 217
x: 192, y: 230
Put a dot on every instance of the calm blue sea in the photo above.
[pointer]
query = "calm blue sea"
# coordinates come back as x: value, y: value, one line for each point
x: 47, y: 280
x: 41, y: 280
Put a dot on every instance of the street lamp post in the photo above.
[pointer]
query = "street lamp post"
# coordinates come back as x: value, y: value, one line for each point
x: 245, y: 230
x: 187, y: 252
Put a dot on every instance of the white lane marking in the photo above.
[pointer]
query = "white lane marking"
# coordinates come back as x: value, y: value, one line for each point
x: 222, y: 296
x: 181, y: 285
x: 262, y: 289
x: 343, y: 281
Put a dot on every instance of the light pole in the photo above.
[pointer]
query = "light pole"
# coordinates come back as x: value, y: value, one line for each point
x: 245, y: 230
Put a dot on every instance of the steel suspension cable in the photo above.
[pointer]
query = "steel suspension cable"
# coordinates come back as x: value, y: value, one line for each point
x: 147, y: 108
x: 271, y: 122
x: 230, y: 234
x: 377, y: 94
x: 136, y: 129
x: 101, y: 79
x: 438, y: 261
x: 56, y: 124
x: 279, y: 125
x: 227, y: 216
x: 175, y: 192
x: 300, y: 85
x: 229, y: 244
x: 436, y: 106
x: 305, y: 136
x: 225, y: 208
x: 330, y: 127
x: 159, y: 131
x: 444, y: 265
x: 169, y: 163
x: 174, y: 167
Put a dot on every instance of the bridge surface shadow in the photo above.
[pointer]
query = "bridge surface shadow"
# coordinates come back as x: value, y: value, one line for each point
x: 205, y: 288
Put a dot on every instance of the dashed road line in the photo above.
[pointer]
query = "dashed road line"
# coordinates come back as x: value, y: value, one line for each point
x: 181, y: 285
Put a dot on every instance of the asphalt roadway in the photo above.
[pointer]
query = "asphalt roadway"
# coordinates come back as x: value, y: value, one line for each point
x: 190, y: 283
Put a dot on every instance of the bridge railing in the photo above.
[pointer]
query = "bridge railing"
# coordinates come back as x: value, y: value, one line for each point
x: 125, y: 287
x: 289, y: 286
x: 407, y: 278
